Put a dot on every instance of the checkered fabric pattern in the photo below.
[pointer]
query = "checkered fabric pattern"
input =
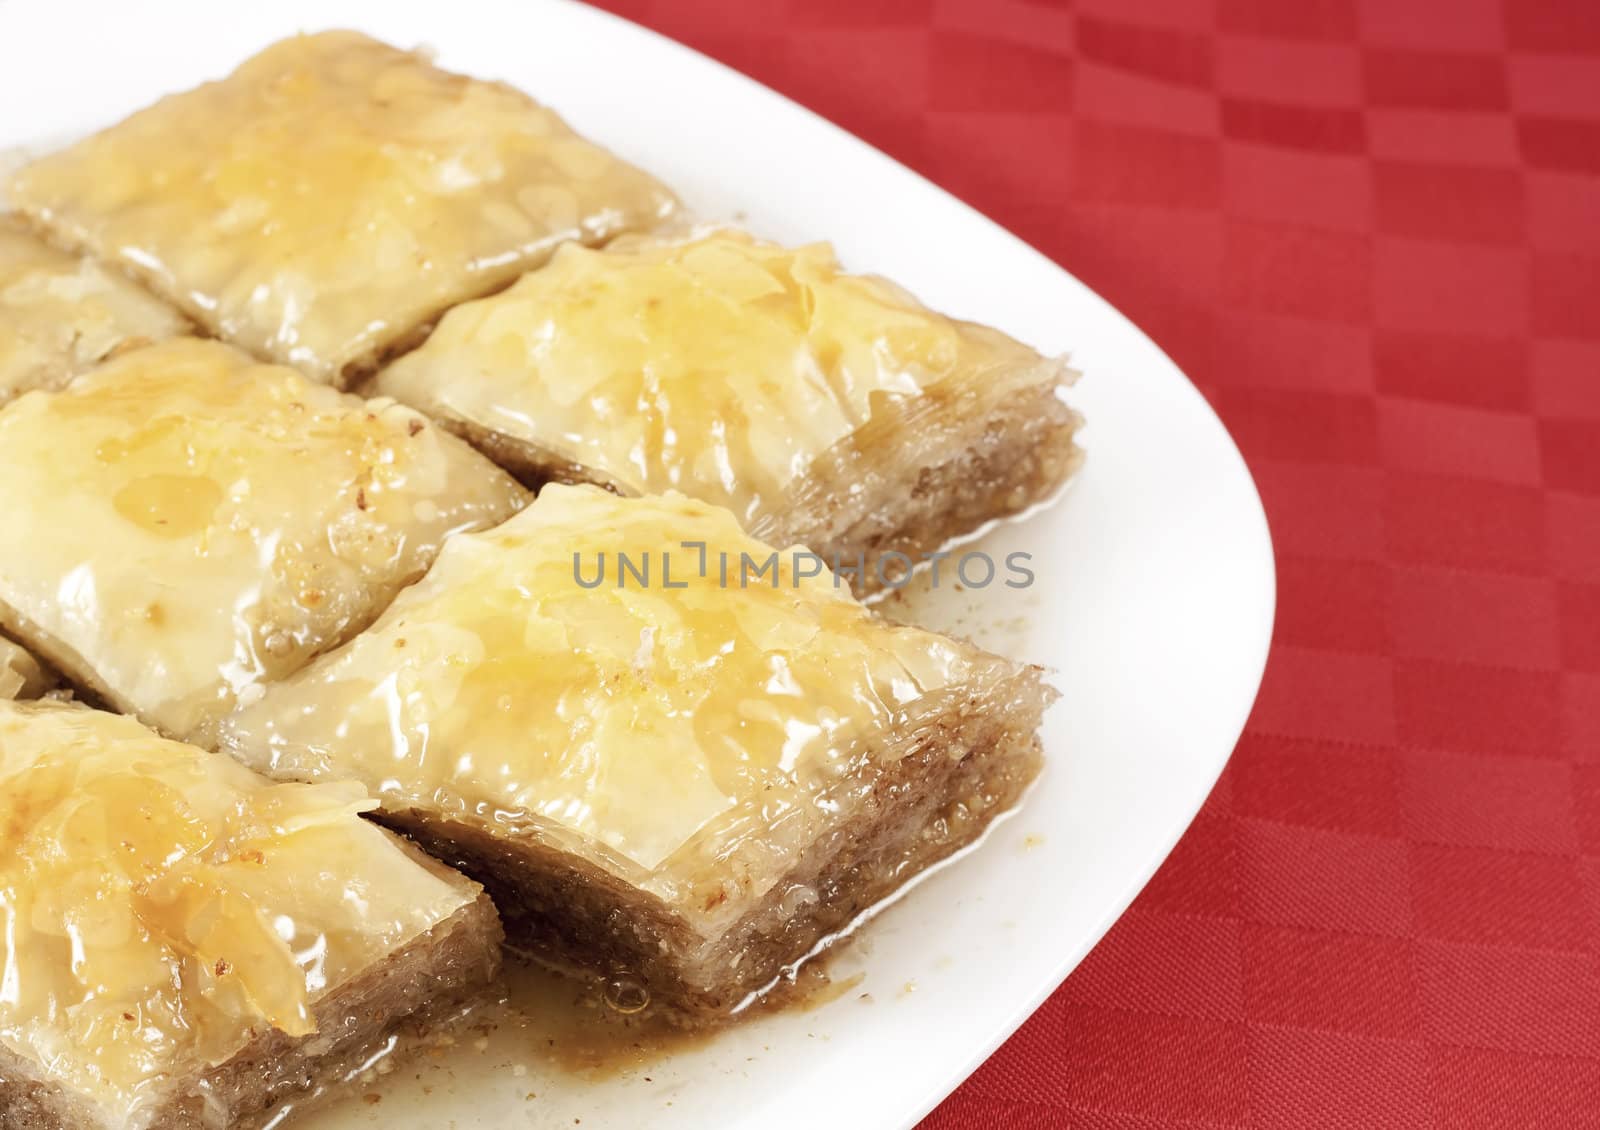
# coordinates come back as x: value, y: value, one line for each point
x: 1370, y: 231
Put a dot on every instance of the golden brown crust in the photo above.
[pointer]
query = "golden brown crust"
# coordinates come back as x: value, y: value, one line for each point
x: 984, y: 458
x: 959, y: 771
x: 285, y: 513
x: 63, y: 314
x: 418, y: 983
x: 819, y: 407
x: 424, y: 189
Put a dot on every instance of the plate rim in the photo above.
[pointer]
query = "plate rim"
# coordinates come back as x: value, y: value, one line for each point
x: 1260, y: 640
x: 1261, y: 644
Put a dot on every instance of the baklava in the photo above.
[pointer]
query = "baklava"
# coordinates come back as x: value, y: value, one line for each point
x: 675, y: 756
x: 21, y: 675
x: 187, y: 945
x: 323, y: 203
x: 820, y: 407
x: 61, y: 315
x: 184, y: 522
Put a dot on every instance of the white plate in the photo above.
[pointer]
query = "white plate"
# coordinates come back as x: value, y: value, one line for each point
x: 1154, y: 597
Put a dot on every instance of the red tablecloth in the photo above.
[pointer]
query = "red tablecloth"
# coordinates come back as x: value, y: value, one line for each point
x: 1369, y: 230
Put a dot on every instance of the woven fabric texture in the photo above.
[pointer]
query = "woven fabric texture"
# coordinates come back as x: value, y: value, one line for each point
x: 1369, y: 230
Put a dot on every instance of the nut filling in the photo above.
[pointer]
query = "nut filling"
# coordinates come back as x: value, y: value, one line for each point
x: 820, y: 407
x: 690, y: 779
x: 185, y: 942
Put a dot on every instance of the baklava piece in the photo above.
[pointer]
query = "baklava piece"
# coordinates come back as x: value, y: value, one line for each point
x: 21, y: 675
x: 685, y: 783
x: 820, y: 407
x: 323, y: 203
x: 187, y: 945
x: 184, y: 522
x: 61, y: 315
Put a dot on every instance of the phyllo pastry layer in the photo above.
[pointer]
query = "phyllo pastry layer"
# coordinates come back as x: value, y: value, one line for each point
x: 670, y: 767
x: 820, y: 407
x: 184, y: 522
x: 330, y: 197
x: 185, y: 943
x: 21, y: 675
x: 61, y: 315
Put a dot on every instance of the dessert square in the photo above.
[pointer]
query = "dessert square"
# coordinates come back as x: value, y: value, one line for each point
x: 21, y: 675
x: 333, y: 195
x: 660, y: 772
x: 184, y: 522
x: 820, y: 407
x: 187, y: 944
x: 61, y: 315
